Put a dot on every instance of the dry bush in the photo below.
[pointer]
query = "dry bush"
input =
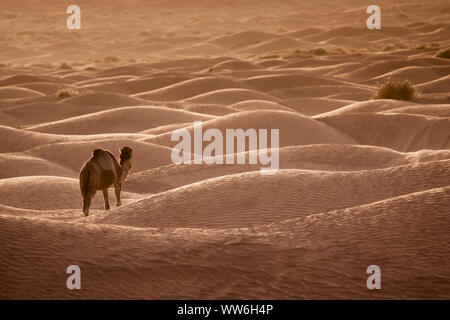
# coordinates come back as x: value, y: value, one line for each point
x: 444, y: 54
x: 111, y: 59
x: 319, y: 52
x: 297, y: 54
x: 67, y: 93
x: 396, y: 89
x: 65, y: 66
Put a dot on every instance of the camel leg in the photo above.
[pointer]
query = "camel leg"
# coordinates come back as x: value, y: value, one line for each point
x: 87, y: 202
x: 117, y: 188
x: 85, y: 207
x: 105, y: 196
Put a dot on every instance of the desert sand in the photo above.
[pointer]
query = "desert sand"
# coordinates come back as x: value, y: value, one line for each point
x: 361, y: 182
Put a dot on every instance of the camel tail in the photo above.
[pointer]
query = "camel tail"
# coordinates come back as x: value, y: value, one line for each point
x: 84, y: 181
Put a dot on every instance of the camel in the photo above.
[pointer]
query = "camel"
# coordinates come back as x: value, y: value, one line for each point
x: 102, y: 171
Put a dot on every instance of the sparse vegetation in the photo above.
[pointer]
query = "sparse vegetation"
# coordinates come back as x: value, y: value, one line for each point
x: 444, y: 54
x: 111, y: 59
x: 319, y: 52
x: 429, y: 47
x: 297, y: 54
x: 67, y: 93
x: 394, y: 47
x: 315, y: 52
x: 65, y: 66
x: 396, y: 89
x: 388, y: 48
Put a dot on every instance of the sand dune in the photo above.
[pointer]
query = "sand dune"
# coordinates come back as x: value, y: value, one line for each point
x: 189, y: 63
x: 383, y: 67
x: 426, y: 110
x: 394, y: 214
x: 136, y: 86
x: 270, y: 63
x: 126, y: 119
x: 24, y: 78
x: 230, y: 96
x: 46, y: 88
x: 283, y: 81
x: 136, y: 70
x: 17, y: 165
x: 242, y: 38
x: 300, y: 130
x: 189, y: 88
x: 18, y: 101
x: 251, y: 105
x: 210, y: 109
x: 16, y: 92
x: 38, y: 112
x: 234, y: 65
x: 314, y: 106
x: 47, y: 193
x: 18, y: 140
x: 106, y: 100
x: 274, y: 44
x: 370, y: 106
x: 215, y: 209
x: 102, y: 80
x: 73, y: 154
x: 401, y: 132
x: 435, y: 86
x: 321, y: 157
x: 361, y: 181
x: 338, y: 92
x: 419, y: 74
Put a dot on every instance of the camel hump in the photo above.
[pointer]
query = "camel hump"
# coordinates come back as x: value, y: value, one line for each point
x: 96, y: 152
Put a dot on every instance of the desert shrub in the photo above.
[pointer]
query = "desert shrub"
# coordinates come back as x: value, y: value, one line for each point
x: 396, y: 89
x: 319, y: 51
x: 111, y: 59
x: 297, y: 54
x: 388, y: 48
x: 67, y: 93
x: 444, y: 54
x: 65, y: 66
x: 337, y: 51
x: 429, y: 47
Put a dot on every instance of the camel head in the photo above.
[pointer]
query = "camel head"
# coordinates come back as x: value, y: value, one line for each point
x: 125, y: 162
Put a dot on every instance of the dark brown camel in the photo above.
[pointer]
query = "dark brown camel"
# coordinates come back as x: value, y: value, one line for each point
x: 102, y: 171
